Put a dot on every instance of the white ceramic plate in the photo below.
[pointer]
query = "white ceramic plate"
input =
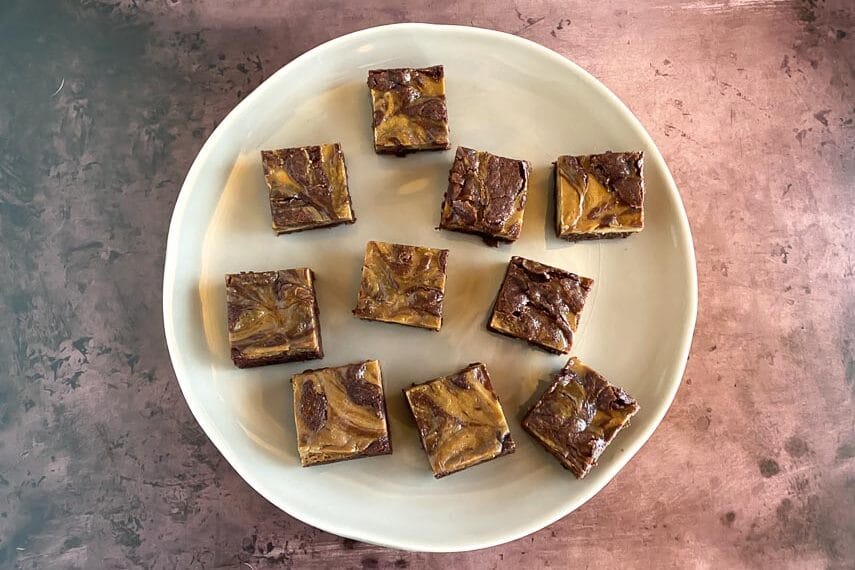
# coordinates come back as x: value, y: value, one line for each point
x: 506, y: 95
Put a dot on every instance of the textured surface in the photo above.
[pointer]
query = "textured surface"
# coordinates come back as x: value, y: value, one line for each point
x: 340, y: 413
x: 578, y: 416
x: 486, y: 195
x: 540, y: 304
x: 273, y: 317
x: 104, y: 107
x: 402, y: 284
x: 460, y: 420
x: 409, y: 109
x: 600, y: 195
x: 308, y: 187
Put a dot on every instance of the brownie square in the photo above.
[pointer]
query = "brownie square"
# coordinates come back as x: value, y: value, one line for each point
x: 409, y: 110
x: 539, y: 304
x: 460, y: 420
x: 308, y: 187
x: 599, y: 196
x: 578, y: 416
x: 273, y: 317
x: 486, y: 195
x: 402, y: 284
x: 340, y: 413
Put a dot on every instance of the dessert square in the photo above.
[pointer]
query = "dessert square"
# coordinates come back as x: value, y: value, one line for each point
x: 539, y: 304
x: 273, y: 317
x: 599, y: 196
x: 460, y: 420
x: 340, y: 413
x: 409, y: 110
x: 308, y: 187
x: 486, y: 195
x: 578, y: 416
x: 402, y: 284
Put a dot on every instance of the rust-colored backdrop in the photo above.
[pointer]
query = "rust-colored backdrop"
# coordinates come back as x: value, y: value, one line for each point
x: 103, y: 106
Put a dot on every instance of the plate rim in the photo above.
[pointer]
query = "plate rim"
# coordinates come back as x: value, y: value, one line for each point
x: 207, y: 424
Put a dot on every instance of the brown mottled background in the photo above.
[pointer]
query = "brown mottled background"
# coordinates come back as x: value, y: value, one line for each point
x: 103, y: 106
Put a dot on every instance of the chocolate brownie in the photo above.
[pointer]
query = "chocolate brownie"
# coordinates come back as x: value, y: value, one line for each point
x: 409, y: 108
x: 402, y: 284
x: 340, y: 413
x: 460, y: 420
x: 307, y: 187
x: 578, y: 416
x: 599, y: 195
x: 273, y: 317
x: 539, y: 304
x: 486, y: 196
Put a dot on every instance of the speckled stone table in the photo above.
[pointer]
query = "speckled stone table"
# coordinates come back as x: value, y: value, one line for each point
x: 103, y: 106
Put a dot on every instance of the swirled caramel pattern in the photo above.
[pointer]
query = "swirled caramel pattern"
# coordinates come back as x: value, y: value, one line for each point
x: 402, y: 284
x: 486, y: 195
x: 599, y: 196
x: 540, y: 304
x: 273, y: 317
x: 308, y: 187
x: 460, y: 420
x: 340, y: 413
x: 409, y: 109
x: 578, y: 416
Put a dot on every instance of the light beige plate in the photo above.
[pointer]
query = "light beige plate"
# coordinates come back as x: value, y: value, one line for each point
x: 506, y: 95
